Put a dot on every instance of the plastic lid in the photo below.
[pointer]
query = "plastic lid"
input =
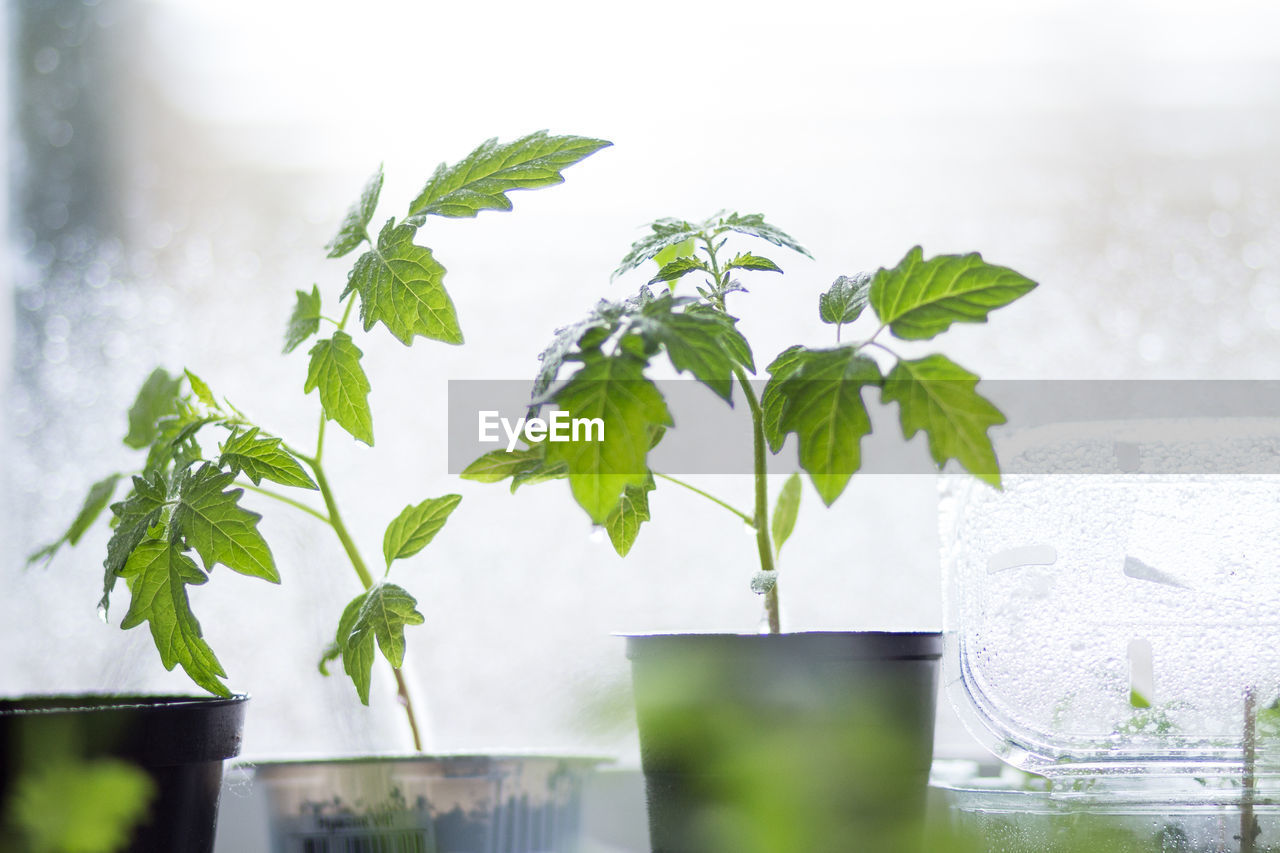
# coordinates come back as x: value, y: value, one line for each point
x: 1116, y: 608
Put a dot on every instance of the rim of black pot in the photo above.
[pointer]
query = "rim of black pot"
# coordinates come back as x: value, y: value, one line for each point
x: 59, y: 703
x: 834, y: 645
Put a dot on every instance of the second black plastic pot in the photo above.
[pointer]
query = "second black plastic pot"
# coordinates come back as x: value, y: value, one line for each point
x: 180, y: 742
x: 809, y: 742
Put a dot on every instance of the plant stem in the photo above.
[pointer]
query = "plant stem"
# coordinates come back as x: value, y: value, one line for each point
x: 715, y: 500
x: 284, y: 499
x: 340, y: 527
x: 763, y: 544
x: 1249, y: 829
x: 760, y: 467
x: 362, y: 571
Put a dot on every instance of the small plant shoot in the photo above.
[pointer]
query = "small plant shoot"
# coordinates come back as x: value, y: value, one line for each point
x: 182, y: 513
x: 813, y: 393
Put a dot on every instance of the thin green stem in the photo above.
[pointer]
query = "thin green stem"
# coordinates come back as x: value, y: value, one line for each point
x: 340, y: 527
x: 717, y: 286
x: 763, y: 543
x: 346, y: 314
x: 715, y: 500
x: 879, y: 345
x: 285, y: 499
x: 760, y: 462
x: 366, y: 579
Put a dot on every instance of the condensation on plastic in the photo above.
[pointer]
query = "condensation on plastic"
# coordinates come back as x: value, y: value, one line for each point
x: 1127, y: 563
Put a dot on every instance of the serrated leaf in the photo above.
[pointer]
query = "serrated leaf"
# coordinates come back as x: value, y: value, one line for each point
x: 771, y: 402
x: 355, y: 225
x: 482, y: 179
x: 158, y: 574
x: 785, y: 512
x: 748, y: 261
x: 704, y: 343
x: 141, y: 509
x: 540, y: 472
x: 305, y: 319
x: 919, y: 299
x: 208, y: 516
x: 157, y: 397
x: 379, y: 614
x: 669, y: 254
x: 753, y: 224
x: 666, y: 233
x: 344, y: 389
x: 822, y: 404
x: 845, y: 300
x: 497, y: 465
x: 95, y: 502
x: 623, y: 524
x: 175, y: 437
x: 261, y: 457
x: 614, y: 389
x: 679, y: 267
x: 589, y: 333
x: 401, y: 285
x: 733, y: 341
x: 201, y: 389
x: 938, y: 396
x: 415, y: 527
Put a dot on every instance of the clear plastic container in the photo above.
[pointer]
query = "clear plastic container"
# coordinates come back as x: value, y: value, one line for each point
x: 1113, y: 615
x: 426, y: 804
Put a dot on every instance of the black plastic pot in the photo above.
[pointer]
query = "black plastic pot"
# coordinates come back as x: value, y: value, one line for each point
x: 179, y: 741
x: 812, y: 742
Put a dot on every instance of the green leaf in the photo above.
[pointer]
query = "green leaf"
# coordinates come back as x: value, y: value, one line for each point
x: 201, y: 389
x: 344, y: 389
x: 822, y: 404
x: 753, y: 224
x: 787, y: 362
x: 482, y: 180
x: 669, y: 254
x: 938, y: 396
x: 305, y: 320
x: 209, y: 517
x: 157, y: 397
x: 846, y: 299
x: 919, y: 299
x: 614, y: 389
x: 497, y: 465
x: 748, y: 261
x: 263, y: 458
x: 94, y: 503
x: 416, y: 526
x: 539, y: 472
x: 678, y: 268
x: 158, y: 574
x: 785, y: 512
x: 402, y: 285
x: 75, y: 806
x: 381, y: 613
x: 174, y: 440
x: 356, y: 223
x: 667, y: 233
x: 703, y: 343
x: 588, y: 333
x: 141, y: 509
x: 623, y: 524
